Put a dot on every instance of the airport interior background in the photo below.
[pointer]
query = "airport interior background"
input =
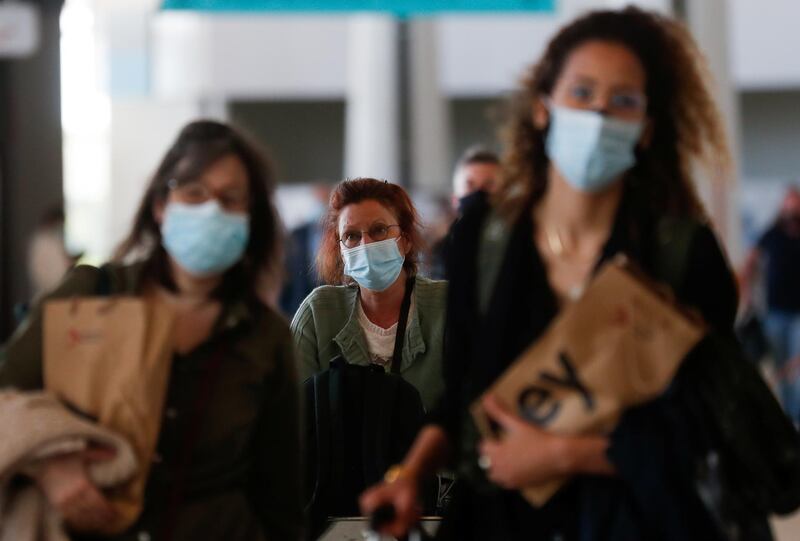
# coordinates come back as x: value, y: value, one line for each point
x: 92, y: 97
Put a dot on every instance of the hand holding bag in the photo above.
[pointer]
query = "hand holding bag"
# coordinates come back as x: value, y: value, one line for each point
x: 109, y: 359
x: 619, y: 345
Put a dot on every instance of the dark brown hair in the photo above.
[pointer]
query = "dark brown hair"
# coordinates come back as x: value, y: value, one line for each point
x: 329, y: 259
x: 686, y: 122
x: 198, y: 146
x: 477, y: 154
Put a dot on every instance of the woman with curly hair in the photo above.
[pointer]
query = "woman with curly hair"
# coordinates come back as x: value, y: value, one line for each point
x: 603, y: 135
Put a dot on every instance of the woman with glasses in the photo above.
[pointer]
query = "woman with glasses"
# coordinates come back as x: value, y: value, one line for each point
x: 368, y: 256
x: 204, y: 240
x: 601, y: 141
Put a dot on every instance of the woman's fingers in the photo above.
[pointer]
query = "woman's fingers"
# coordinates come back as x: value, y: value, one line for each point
x: 88, y: 510
x: 401, y: 495
x: 499, y: 414
x: 375, y: 497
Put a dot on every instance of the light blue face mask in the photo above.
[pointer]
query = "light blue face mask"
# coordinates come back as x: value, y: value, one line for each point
x: 374, y: 266
x: 204, y: 239
x: 590, y: 149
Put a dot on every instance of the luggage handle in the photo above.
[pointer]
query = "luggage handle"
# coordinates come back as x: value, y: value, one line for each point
x: 385, y: 514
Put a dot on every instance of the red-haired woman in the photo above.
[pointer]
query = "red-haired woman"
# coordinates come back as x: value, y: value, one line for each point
x: 368, y: 256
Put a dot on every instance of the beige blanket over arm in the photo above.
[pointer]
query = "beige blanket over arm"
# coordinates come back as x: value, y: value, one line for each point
x: 33, y: 426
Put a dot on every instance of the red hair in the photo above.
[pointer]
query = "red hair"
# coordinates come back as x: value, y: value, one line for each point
x: 394, y: 198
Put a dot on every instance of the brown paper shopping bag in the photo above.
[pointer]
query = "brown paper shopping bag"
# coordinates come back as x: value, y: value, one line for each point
x: 109, y: 358
x: 619, y: 345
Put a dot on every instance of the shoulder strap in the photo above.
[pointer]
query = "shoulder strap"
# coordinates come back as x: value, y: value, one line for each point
x: 493, y: 243
x: 397, y: 356
x: 103, y: 286
x: 674, y: 237
x: 336, y: 416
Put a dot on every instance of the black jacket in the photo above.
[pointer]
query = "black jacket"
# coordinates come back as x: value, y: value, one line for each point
x: 653, y: 448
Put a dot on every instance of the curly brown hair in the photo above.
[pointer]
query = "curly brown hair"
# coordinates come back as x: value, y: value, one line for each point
x: 329, y: 258
x: 686, y: 122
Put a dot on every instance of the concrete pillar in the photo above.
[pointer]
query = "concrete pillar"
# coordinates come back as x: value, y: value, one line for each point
x: 709, y: 23
x: 30, y: 155
x: 430, y: 122
x: 372, y: 118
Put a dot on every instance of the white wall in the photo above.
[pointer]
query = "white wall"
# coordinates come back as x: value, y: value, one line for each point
x: 765, y: 43
x: 290, y: 55
x: 249, y: 56
x: 141, y: 132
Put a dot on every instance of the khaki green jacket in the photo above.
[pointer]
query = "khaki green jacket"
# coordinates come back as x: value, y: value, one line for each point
x: 326, y: 325
x: 243, y: 474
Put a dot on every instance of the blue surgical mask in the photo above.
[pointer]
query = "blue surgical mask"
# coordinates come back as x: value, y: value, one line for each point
x: 589, y: 149
x: 204, y: 239
x: 374, y: 266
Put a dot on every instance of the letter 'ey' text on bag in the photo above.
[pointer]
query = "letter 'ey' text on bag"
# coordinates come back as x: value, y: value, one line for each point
x: 619, y: 345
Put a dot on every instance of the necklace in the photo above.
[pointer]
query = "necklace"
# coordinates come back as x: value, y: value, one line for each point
x: 554, y: 242
x: 558, y: 248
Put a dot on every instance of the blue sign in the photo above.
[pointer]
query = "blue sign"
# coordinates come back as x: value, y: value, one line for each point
x: 399, y: 7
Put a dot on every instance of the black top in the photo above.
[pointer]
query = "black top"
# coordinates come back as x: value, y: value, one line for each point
x: 521, y: 307
x: 782, y: 269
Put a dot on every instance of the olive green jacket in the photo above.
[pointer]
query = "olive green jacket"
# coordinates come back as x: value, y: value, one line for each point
x: 242, y: 475
x: 326, y: 325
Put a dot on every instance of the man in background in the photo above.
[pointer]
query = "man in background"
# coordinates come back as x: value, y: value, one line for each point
x: 301, y: 252
x: 477, y: 170
x: 778, y: 254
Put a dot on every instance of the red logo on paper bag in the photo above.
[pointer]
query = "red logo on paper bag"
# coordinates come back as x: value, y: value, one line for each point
x: 76, y: 337
x: 621, y: 317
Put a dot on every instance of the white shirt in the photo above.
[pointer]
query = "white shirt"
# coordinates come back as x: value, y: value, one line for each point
x: 380, y: 341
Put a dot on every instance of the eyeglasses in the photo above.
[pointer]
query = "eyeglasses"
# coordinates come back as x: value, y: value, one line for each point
x: 195, y: 192
x: 378, y: 232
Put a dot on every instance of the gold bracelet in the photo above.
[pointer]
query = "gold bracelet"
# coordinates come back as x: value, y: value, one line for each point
x: 394, y: 473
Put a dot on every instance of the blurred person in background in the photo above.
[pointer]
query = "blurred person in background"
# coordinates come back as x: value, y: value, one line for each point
x: 778, y: 254
x: 301, y: 251
x: 205, y: 235
x: 368, y: 258
x: 48, y: 257
x: 602, y: 137
x: 477, y: 170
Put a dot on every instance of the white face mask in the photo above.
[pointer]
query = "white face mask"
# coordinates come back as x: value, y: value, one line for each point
x: 590, y: 149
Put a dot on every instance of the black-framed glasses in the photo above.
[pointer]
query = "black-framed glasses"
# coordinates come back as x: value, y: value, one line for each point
x: 378, y: 232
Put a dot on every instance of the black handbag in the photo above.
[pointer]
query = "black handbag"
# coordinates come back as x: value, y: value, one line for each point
x: 749, y: 465
x: 750, y: 333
